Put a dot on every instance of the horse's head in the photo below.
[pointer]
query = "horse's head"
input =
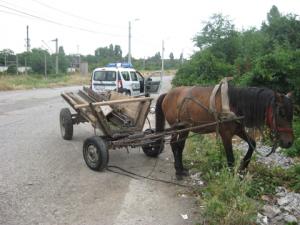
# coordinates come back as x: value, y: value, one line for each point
x: 279, y: 119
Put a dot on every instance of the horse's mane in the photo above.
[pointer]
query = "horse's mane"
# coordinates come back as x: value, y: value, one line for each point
x: 252, y: 103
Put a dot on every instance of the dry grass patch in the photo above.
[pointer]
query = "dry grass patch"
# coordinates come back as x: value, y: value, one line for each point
x: 19, y: 82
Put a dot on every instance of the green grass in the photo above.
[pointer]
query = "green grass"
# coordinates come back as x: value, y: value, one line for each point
x: 227, y: 198
x: 18, y: 82
x: 294, y: 151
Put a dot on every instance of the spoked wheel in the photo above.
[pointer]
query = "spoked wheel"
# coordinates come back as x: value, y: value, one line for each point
x: 95, y: 153
x: 66, y: 124
x: 155, y: 148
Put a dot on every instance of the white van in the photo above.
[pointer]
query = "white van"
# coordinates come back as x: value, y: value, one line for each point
x: 121, y: 77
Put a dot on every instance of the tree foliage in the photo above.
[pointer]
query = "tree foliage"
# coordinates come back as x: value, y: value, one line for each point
x: 268, y: 56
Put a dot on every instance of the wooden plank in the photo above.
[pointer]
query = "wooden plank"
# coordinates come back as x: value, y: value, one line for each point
x: 114, y: 102
x: 143, y: 113
x: 70, y: 100
x: 102, y: 121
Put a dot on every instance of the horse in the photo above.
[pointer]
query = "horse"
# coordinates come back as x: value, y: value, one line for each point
x: 185, y: 107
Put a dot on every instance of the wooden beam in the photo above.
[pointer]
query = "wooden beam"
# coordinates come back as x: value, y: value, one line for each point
x: 113, y: 102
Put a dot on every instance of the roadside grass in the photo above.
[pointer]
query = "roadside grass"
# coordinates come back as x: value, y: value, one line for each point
x: 294, y: 151
x: 228, y: 199
x: 224, y: 197
x: 18, y: 82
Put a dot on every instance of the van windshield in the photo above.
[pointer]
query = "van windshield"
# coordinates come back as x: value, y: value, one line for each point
x: 105, y: 75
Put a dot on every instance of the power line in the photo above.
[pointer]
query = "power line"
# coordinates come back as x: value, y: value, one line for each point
x: 57, y: 23
x: 73, y: 15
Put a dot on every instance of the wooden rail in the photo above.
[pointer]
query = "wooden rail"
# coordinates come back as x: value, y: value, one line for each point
x: 113, y: 102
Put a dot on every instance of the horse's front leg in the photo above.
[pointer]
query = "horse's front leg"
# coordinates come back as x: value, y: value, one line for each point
x: 252, y: 145
x: 177, y: 145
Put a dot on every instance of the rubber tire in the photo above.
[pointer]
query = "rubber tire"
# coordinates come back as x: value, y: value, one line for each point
x: 66, y: 124
x: 153, y: 150
x: 101, y: 150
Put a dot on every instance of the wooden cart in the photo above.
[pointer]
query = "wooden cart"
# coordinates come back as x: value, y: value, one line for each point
x: 118, y: 119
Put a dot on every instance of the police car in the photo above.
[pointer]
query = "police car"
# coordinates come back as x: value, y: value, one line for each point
x: 123, y: 78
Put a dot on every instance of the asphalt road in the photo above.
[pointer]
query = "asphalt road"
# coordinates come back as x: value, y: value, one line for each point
x: 44, y: 179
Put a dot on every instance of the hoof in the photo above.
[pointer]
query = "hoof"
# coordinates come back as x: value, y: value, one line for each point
x: 179, y: 177
x: 242, y: 173
x: 182, y: 173
x: 185, y: 172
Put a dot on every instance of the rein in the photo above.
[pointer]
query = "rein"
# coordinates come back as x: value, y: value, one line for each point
x: 271, y: 122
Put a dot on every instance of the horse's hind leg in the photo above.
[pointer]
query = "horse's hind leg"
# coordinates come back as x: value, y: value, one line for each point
x: 177, y: 145
x: 251, y: 143
x: 226, y: 136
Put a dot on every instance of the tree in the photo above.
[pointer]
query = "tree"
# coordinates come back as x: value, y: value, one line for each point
x: 108, y: 54
x: 219, y: 27
x: 171, y: 56
x: 282, y: 29
x: 266, y: 57
x: 37, y: 61
x: 6, y: 55
x: 273, y: 15
x: 62, y: 60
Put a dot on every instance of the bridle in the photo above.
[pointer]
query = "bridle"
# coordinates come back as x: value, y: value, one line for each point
x: 271, y: 122
x: 275, y: 129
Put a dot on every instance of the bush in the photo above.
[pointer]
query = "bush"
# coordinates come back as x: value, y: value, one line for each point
x: 12, y: 69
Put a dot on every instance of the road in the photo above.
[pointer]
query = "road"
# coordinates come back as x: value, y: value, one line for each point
x: 44, y: 179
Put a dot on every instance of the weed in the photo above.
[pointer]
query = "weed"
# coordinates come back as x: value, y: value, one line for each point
x: 226, y: 200
x: 225, y: 196
x: 265, y: 180
x: 39, y: 81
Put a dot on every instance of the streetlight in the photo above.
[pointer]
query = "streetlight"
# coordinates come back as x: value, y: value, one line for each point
x: 129, y: 40
x: 56, y: 57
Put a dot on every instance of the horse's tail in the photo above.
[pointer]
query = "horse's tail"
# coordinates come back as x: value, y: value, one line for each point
x: 159, y: 114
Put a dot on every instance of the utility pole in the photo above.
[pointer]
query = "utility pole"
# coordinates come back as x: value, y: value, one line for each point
x: 56, y: 58
x: 27, y: 39
x: 79, y: 60
x: 129, y: 40
x: 27, y: 47
x: 129, y: 43
x: 17, y: 63
x: 5, y: 63
x: 45, y: 58
x: 162, y: 60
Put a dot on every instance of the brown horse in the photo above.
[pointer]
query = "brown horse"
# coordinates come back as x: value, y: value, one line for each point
x: 189, y: 106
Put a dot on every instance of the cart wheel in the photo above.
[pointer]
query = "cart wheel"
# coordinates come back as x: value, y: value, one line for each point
x: 66, y: 124
x: 95, y: 153
x: 153, y: 149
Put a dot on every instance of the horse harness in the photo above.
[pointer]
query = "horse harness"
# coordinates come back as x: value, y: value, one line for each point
x: 219, y: 116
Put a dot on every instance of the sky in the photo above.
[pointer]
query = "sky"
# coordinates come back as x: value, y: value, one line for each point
x: 83, y: 26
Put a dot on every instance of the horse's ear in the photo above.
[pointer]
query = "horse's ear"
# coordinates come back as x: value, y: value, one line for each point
x: 289, y: 95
